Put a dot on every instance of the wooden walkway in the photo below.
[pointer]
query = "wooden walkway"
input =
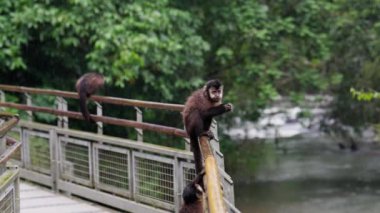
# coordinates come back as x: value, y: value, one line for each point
x: 35, y: 199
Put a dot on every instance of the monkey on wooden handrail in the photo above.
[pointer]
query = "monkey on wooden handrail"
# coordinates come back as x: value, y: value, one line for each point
x: 87, y: 85
x: 200, y: 107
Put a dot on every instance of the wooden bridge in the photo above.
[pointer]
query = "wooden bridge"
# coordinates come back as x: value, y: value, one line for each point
x: 35, y: 199
x: 123, y: 174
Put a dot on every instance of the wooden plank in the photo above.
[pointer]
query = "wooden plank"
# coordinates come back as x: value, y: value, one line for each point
x: 36, y: 177
x: 25, y: 187
x: 104, y: 99
x: 108, y: 199
x: 104, y: 119
x: 35, y: 199
x: 34, y: 194
x: 46, y: 202
x: 79, y: 208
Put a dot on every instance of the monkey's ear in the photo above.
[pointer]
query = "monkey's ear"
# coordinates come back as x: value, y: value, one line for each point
x: 204, y: 87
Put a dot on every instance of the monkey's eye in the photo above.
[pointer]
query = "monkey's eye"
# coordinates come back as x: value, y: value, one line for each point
x: 215, y: 91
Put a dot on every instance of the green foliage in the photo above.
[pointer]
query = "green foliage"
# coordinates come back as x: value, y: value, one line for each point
x: 355, y: 55
x: 44, y: 101
x: 364, y: 96
x: 143, y: 45
x: 162, y: 50
x: 262, y: 49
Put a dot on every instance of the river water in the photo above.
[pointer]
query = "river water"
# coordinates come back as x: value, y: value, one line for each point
x: 306, y: 175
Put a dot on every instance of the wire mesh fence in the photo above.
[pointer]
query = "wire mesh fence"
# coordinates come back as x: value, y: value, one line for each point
x: 188, y: 173
x: 7, y: 201
x: 112, y: 169
x: 144, y: 174
x: 76, y: 160
x: 38, y: 149
x: 154, y: 179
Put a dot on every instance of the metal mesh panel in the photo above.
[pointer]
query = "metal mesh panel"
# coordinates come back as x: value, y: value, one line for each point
x: 76, y: 161
x: 112, y: 169
x: 7, y: 204
x: 39, y: 151
x: 188, y: 175
x: 154, y: 179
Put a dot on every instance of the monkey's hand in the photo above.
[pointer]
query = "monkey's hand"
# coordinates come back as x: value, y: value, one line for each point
x: 209, y: 134
x: 228, y: 107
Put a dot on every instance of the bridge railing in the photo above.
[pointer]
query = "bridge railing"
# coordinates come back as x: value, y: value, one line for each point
x: 122, y: 173
x: 9, y: 175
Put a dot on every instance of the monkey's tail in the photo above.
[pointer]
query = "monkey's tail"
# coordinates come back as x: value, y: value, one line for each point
x: 195, y: 148
x: 83, y: 101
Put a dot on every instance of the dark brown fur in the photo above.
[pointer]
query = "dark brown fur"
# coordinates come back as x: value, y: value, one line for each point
x: 87, y: 85
x: 193, y: 196
x: 197, y: 117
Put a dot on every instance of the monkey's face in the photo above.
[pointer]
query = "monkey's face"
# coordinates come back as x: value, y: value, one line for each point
x: 215, y: 94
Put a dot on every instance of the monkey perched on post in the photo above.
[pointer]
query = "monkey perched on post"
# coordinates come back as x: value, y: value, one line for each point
x: 87, y: 85
x: 199, y: 110
x: 193, y: 196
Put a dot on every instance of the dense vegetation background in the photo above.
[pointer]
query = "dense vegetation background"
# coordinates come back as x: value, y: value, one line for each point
x: 161, y: 50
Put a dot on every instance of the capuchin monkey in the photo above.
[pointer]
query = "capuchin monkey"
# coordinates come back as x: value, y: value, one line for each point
x: 200, y: 107
x: 87, y: 85
x: 193, y: 196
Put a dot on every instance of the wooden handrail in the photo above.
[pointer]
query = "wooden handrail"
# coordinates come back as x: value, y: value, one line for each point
x: 14, y: 146
x: 214, y: 192
x: 103, y: 99
x: 104, y: 119
x: 11, y: 121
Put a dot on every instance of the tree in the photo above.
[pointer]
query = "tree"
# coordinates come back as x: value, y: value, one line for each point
x: 356, y: 45
x: 144, y: 46
x: 265, y: 48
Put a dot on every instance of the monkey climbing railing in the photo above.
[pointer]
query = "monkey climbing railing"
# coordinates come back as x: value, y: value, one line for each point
x: 138, y: 177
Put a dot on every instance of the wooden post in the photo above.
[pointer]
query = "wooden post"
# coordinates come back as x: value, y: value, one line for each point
x: 29, y: 103
x: 139, y: 118
x: 99, y: 112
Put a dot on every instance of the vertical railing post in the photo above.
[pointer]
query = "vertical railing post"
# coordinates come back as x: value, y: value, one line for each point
x: 176, y: 181
x: 139, y: 118
x: 133, y: 176
x: 54, y: 159
x: 215, y: 141
x: 187, y: 142
x: 99, y: 112
x: 29, y: 103
x: 17, y: 193
x: 2, y: 98
x: 216, y: 145
x: 25, y: 154
x: 2, y: 150
x: 63, y: 121
x: 59, y: 107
